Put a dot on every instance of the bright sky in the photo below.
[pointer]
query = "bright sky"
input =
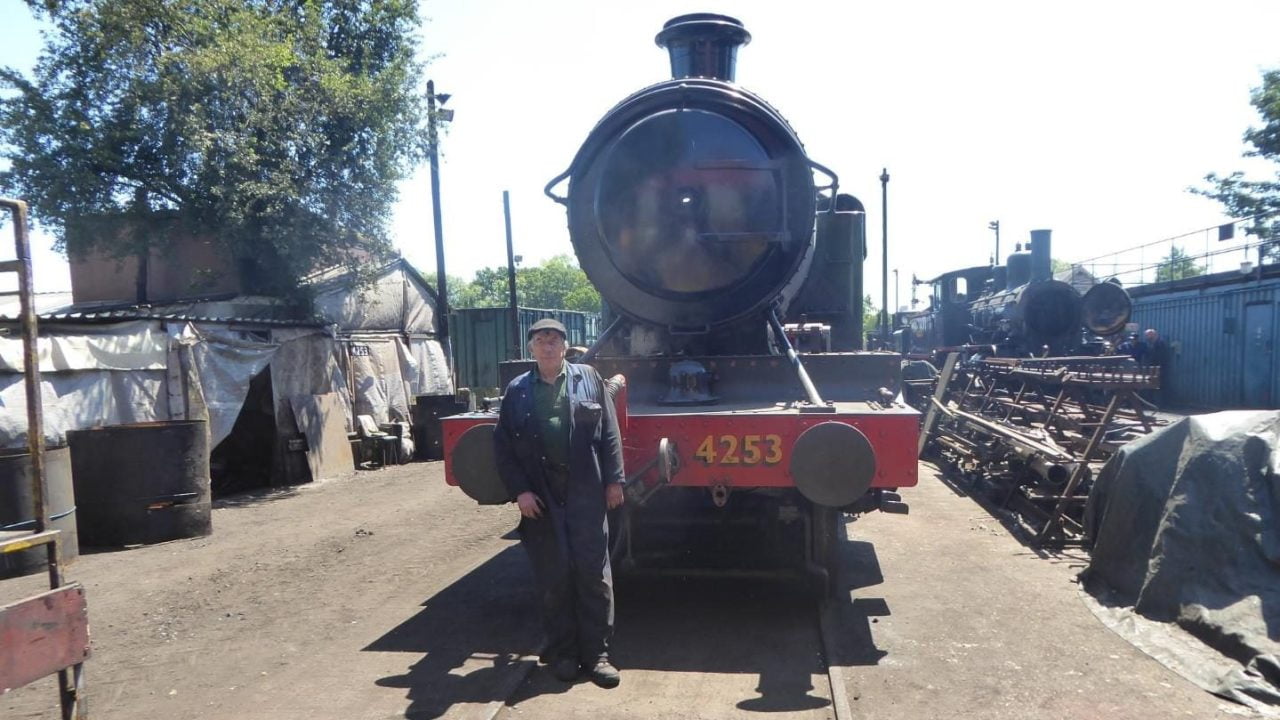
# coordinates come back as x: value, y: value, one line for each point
x: 1090, y: 118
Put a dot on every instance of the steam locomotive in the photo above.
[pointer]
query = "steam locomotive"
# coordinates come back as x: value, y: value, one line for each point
x: 1014, y: 310
x: 693, y: 208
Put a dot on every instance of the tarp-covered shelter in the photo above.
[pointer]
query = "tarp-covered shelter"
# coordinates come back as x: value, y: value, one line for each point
x: 390, y: 332
x: 105, y: 365
x: 243, y: 363
x: 1185, y: 527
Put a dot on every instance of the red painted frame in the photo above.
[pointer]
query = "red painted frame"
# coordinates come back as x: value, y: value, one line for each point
x: 42, y: 635
x: 892, y: 436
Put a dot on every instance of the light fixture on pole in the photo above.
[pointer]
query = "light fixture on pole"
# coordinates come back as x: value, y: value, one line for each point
x: 995, y: 225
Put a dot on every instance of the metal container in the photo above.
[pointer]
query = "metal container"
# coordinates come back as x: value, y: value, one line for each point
x: 142, y: 483
x: 1223, y: 331
x: 428, y: 437
x: 481, y: 338
x: 16, y: 505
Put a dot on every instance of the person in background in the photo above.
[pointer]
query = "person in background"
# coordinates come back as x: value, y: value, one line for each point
x: 559, y: 453
x: 1155, y: 352
x: 1129, y: 346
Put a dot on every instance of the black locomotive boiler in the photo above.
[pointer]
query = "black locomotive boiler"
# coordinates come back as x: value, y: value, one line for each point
x: 694, y: 210
x: 1014, y: 310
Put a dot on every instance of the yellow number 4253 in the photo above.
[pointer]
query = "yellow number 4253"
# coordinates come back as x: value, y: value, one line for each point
x: 735, y: 450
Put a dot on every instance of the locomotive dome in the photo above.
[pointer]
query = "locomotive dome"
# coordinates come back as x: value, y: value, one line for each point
x: 691, y: 203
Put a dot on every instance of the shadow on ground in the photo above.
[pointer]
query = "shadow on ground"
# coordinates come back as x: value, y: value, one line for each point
x: 487, y: 616
x: 472, y: 635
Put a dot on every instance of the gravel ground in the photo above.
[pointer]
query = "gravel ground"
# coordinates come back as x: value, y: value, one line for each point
x: 387, y: 594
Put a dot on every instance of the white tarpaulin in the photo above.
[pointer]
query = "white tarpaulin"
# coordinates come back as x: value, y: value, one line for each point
x: 80, y: 399
x: 306, y: 365
x: 433, y: 376
x: 138, y: 345
x: 376, y: 375
x: 191, y: 372
x: 396, y: 301
x: 218, y: 364
x: 90, y: 375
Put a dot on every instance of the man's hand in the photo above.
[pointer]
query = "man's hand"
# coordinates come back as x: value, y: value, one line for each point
x: 530, y: 505
x: 613, y: 495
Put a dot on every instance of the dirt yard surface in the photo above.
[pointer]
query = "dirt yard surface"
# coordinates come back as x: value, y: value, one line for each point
x: 389, y: 595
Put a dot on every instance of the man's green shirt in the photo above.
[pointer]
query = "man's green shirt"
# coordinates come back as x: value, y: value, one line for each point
x: 551, y: 405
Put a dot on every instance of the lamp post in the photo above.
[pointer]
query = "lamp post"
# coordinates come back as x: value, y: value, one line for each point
x: 433, y: 137
x: 884, y: 263
x: 995, y: 225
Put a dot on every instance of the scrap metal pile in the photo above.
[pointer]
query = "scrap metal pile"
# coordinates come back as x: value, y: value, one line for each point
x: 1033, y: 432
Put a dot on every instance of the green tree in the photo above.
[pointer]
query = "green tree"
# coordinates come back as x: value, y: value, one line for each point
x: 1259, y: 199
x: 1056, y: 266
x: 870, y: 317
x: 278, y: 127
x: 557, y: 284
x: 1177, y: 265
x: 487, y: 289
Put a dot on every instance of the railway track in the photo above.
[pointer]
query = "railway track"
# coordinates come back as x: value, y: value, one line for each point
x: 707, y: 647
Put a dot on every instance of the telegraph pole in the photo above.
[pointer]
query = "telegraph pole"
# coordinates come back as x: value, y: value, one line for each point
x: 511, y: 280
x: 884, y: 260
x: 433, y: 137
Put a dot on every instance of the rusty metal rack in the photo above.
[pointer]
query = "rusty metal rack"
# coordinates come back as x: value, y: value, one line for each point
x: 49, y: 632
x: 1035, y: 431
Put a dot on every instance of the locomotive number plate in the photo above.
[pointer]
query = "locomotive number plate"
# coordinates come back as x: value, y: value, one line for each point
x: 740, y: 450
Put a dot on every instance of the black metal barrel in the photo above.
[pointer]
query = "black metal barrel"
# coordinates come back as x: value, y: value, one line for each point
x: 428, y: 435
x: 142, y: 483
x: 16, y: 507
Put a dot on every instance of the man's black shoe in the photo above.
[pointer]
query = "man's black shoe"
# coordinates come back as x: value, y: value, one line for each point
x: 565, y: 670
x: 605, y: 675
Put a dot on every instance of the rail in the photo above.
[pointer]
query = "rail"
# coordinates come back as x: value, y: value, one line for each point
x: 1219, y: 248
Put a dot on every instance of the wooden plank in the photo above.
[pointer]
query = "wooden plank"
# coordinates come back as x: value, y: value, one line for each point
x: 939, y: 393
x: 42, y: 635
x: 19, y: 540
x: 323, y: 420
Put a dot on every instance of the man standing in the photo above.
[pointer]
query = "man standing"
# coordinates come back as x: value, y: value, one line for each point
x: 559, y: 453
x: 1155, y: 351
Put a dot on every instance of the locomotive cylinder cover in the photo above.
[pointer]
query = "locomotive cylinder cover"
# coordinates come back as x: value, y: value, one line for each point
x: 691, y: 203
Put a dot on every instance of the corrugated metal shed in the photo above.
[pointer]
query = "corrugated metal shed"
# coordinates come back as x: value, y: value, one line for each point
x: 237, y: 309
x: 481, y: 338
x: 1223, y: 330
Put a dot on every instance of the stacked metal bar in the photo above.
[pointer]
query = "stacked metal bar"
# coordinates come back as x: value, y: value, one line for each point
x: 1033, y: 432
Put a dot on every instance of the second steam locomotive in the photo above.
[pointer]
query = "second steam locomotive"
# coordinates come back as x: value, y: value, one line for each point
x: 1014, y: 310
x: 693, y: 208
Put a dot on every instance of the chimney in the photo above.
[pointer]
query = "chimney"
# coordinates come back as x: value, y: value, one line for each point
x: 1041, y: 262
x: 703, y: 45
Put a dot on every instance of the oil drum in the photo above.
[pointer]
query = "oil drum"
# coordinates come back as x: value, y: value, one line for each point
x: 17, y: 511
x: 142, y: 483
